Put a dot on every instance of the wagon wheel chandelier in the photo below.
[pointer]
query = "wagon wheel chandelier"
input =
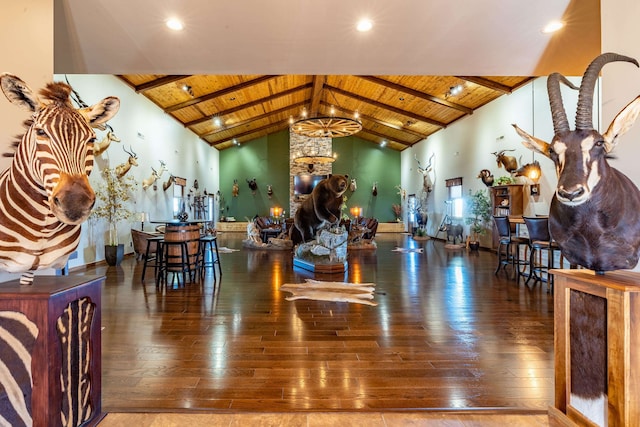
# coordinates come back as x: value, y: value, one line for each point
x: 330, y: 126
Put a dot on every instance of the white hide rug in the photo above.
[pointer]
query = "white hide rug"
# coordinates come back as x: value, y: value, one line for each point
x: 359, y: 293
x: 408, y: 250
x: 226, y: 250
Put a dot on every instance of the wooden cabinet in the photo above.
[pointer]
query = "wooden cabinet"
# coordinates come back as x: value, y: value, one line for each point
x: 618, y: 349
x: 507, y: 200
x: 53, y: 355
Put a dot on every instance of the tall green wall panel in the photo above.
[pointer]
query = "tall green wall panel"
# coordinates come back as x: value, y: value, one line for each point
x: 267, y: 160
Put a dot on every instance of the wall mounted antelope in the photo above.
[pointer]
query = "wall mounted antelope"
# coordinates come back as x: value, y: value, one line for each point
x: 595, y: 211
x: 427, y: 184
x: 148, y: 182
x: 269, y: 191
x: 102, y: 145
x: 235, y: 190
x: 123, y: 168
x: 168, y: 182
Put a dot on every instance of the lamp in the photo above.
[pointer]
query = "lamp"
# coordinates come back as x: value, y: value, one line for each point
x: 533, y: 172
x: 330, y: 126
x: 356, y: 212
x: 142, y: 217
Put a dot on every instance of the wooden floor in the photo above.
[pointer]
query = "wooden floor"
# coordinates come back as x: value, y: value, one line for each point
x: 446, y: 334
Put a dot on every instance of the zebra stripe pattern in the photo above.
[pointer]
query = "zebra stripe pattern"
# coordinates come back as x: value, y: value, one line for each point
x: 45, y: 194
x: 17, y: 338
x: 74, y: 328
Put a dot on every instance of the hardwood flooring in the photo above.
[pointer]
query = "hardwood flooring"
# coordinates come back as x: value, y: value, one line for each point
x: 447, y: 334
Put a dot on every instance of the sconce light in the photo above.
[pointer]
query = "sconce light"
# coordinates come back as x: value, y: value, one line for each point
x: 356, y: 212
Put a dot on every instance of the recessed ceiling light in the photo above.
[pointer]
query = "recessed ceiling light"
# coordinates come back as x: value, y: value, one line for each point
x: 174, y: 24
x: 364, y: 25
x: 552, y: 27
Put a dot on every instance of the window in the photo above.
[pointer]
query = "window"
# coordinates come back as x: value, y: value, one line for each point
x: 455, y: 199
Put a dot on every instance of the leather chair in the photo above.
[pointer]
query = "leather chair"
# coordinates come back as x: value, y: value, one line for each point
x: 540, y: 240
x: 509, y: 247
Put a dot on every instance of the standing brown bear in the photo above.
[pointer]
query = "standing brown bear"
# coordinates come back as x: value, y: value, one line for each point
x: 323, y: 205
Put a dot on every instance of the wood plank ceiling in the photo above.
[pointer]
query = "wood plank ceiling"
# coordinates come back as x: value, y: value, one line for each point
x: 401, y: 110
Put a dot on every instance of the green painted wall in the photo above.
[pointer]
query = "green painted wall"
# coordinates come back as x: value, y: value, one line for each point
x: 267, y: 160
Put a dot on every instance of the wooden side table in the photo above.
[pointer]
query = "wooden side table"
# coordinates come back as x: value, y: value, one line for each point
x: 619, y: 292
x: 62, y: 313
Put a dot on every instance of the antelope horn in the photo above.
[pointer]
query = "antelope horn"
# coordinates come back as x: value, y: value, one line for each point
x: 558, y: 113
x: 128, y: 152
x: 584, y: 110
x: 133, y: 152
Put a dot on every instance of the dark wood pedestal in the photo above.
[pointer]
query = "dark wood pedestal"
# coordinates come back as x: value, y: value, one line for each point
x: 620, y: 293
x: 55, y: 323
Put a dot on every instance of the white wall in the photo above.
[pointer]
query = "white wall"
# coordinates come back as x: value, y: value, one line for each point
x: 464, y: 148
x: 153, y: 136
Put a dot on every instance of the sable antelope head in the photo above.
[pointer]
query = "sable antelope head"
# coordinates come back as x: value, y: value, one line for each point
x: 580, y: 155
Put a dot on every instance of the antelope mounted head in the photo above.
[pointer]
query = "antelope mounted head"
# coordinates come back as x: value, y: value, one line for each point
x: 595, y: 211
x: 122, y: 169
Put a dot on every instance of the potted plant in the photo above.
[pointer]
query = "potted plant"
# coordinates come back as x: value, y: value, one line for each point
x: 479, y: 211
x: 112, y: 197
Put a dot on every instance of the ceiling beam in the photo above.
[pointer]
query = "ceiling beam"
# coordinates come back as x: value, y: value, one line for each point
x: 278, y: 127
x: 159, y: 82
x: 249, y: 104
x: 316, y: 94
x: 416, y: 93
x: 219, y: 93
x: 385, y: 137
x: 487, y: 83
x: 253, y: 119
x: 387, y: 107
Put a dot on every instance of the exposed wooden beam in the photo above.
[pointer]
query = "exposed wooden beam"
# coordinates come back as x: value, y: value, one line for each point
x: 253, y: 119
x: 219, y: 93
x: 388, y: 107
x: 383, y: 136
x: 277, y: 126
x: 250, y: 104
x: 416, y: 93
x: 486, y: 83
x: 316, y: 94
x: 159, y: 82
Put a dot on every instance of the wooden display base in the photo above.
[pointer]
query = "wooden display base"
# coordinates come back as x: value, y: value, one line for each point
x: 61, y: 309
x: 621, y: 290
x: 337, y: 267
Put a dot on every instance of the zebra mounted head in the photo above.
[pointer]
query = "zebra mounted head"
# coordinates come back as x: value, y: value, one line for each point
x: 56, y: 151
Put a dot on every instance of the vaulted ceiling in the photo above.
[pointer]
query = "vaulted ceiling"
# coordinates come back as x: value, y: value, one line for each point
x: 399, y: 110
x: 254, y: 64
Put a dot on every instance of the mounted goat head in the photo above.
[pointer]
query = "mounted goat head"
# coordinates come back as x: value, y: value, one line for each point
x: 122, y: 169
x: 595, y: 212
x: 509, y: 163
x: 427, y: 185
x: 486, y: 177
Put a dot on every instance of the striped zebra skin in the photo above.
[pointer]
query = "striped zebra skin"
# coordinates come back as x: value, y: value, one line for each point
x: 74, y: 334
x: 17, y: 338
x: 45, y: 194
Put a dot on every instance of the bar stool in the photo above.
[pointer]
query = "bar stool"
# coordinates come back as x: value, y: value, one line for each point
x: 540, y: 240
x: 153, y: 255
x: 175, y: 259
x: 509, y: 247
x: 208, y: 244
